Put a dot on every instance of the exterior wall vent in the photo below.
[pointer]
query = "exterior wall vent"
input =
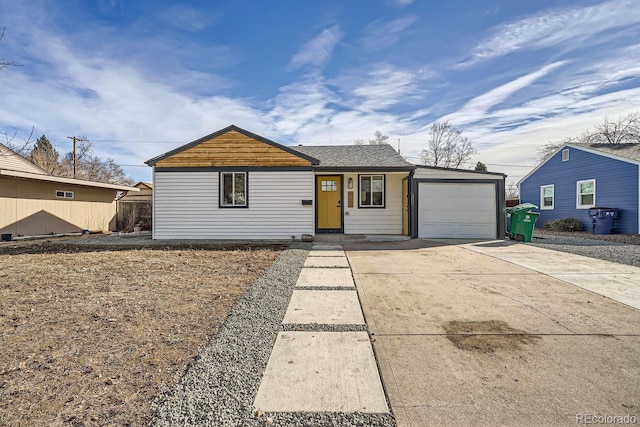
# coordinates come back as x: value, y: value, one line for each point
x: 565, y: 155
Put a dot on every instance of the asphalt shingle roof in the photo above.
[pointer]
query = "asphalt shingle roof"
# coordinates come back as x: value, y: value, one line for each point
x: 629, y: 151
x: 355, y: 156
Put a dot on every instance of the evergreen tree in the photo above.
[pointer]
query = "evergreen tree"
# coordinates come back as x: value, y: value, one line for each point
x: 481, y: 167
x: 45, y: 155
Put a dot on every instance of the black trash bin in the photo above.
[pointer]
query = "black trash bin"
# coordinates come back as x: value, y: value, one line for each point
x: 602, y: 219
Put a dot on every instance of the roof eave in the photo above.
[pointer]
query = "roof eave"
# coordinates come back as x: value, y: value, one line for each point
x: 461, y: 170
x: 61, y: 180
x: 364, y: 168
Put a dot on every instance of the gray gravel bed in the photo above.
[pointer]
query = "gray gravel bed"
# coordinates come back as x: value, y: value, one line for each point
x: 318, y: 327
x: 599, y: 249
x: 221, y: 383
x: 116, y: 239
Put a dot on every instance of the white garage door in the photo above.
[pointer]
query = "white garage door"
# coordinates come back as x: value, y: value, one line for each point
x: 456, y: 210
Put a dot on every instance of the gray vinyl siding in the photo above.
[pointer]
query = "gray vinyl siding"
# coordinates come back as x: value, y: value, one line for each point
x: 387, y: 220
x: 186, y: 206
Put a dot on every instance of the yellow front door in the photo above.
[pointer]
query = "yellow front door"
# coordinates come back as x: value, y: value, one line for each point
x: 329, y: 202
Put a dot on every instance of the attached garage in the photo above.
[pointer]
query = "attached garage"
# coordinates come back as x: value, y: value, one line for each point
x: 457, y: 204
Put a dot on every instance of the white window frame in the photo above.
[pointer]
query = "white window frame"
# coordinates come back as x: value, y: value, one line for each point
x: 384, y: 190
x: 565, y: 155
x: 233, y: 186
x: 65, y: 194
x: 553, y: 197
x: 579, y: 204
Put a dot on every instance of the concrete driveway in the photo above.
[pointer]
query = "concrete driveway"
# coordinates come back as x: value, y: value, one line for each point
x: 465, y: 338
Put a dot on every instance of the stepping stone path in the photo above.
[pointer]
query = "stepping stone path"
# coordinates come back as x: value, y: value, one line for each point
x: 315, y: 368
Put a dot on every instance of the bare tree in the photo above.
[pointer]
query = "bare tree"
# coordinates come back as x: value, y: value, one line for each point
x: 92, y: 168
x: 625, y: 130
x: 89, y: 167
x: 379, y: 138
x: 511, y: 190
x: 446, y: 147
x: 3, y: 62
x: 547, y: 150
x: 20, y: 148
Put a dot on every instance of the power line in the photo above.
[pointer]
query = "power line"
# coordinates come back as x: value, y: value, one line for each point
x: 75, y: 159
x: 140, y: 141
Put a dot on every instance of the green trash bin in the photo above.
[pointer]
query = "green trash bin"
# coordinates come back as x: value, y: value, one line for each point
x: 522, y: 222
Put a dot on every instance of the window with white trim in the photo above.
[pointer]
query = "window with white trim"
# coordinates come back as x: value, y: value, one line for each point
x: 565, y: 155
x: 64, y: 194
x: 547, y: 196
x: 371, y: 191
x: 586, y: 194
x: 233, y: 189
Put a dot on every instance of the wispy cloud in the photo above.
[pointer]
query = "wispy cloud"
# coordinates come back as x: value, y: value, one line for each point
x: 381, y: 34
x: 300, y: 103
x: 555, y: 26
x: 384, y: 86
x: 103, y: 98
x: 477, y: 108
x: 185, y: 18
x: 317, y: 50
x: 404, y: 2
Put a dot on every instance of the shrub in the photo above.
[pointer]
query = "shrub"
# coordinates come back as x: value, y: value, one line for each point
x: 563, y: 224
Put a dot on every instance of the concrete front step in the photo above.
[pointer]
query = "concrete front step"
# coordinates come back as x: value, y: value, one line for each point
x: 351, y: 238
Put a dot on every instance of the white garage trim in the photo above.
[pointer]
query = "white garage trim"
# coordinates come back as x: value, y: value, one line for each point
x: 457, y: 209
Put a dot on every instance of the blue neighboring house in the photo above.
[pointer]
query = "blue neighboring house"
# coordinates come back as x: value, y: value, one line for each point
x: 581, y: 176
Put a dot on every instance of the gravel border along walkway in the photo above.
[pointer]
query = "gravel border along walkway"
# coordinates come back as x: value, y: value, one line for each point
x: 220, y: 385
x: 605, y: 247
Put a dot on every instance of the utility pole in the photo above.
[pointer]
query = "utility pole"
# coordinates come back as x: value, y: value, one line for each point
x: 75, y: 139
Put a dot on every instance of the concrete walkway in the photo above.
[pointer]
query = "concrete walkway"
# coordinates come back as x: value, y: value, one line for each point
x: 323, y: 361
x: 619, y: 282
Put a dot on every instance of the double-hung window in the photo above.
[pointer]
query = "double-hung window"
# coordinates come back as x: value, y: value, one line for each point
x: 586, y: 194
x: 547, y: 197
x: 372, y: 191
x: 233, y: 189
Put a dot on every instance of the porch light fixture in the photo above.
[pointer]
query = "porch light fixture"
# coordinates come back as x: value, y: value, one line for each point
x: 350, y: 183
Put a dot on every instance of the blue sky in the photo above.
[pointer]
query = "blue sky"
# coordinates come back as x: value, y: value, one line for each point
x: 139, y: 78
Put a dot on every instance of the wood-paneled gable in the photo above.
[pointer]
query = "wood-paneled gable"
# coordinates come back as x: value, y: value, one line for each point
x: 233, y: 149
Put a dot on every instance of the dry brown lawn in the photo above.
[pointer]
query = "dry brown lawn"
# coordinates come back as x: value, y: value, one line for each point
x: 89, y: 335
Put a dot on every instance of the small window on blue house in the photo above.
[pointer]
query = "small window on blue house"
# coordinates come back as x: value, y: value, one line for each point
x: 546, y: 197
x: 586, y: 192
x: 565, y: 155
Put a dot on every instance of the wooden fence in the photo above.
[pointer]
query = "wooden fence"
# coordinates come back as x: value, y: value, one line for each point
x: 131, y: 214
